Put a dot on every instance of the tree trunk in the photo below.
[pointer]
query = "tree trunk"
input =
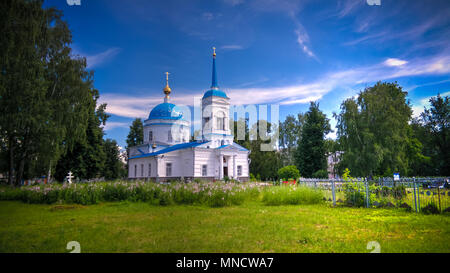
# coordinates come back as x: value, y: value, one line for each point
x: 20, y: 171
x: 11, y: 162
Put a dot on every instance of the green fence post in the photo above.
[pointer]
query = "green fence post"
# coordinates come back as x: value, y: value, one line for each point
x: 415, y: 198
x: 439, y: 198
x: 333, y: 192
x: 418, y: 196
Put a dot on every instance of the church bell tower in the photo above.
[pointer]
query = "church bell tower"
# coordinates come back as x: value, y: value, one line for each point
x: 216, y: 113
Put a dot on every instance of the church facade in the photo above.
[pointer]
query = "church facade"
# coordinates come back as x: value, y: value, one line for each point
x: 168, y: 154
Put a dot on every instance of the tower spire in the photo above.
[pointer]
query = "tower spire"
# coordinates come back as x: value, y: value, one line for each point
x: 214, y: 84
x: 167, y: 89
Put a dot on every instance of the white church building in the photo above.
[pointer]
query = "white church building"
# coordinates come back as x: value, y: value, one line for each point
x: 168, y: 154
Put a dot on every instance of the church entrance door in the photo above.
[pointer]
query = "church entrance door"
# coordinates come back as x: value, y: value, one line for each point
x: 225, y: 171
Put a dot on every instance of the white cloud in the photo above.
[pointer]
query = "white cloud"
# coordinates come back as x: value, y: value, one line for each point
x: 112, y: 125
x: 232, y: 47
x: 127, y: 106
x: 411, y: 34
x: 96, y: 60
x: 303, y: 40
x: 348, y: 6
x: 394, y: 62
x: 332, y: 135
x: 138, y: 107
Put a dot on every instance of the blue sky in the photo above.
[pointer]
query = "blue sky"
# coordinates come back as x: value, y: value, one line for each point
x: 268, y: 51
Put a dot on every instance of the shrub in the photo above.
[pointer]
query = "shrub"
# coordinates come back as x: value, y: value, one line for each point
x: 355, y: 193
x: 288, y: 172
x: 431, y: 208
x: 320, y: 174
x: 399, y: 191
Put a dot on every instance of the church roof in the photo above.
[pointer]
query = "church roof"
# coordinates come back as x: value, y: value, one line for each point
x: 185, y: 146
x: 166, y: 110
x: 172, y: 148
x: 233, y: 145
x: 214, y: 91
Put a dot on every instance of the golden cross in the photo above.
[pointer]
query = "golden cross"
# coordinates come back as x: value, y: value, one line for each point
x: 214, y: 54
x: 167, y: 76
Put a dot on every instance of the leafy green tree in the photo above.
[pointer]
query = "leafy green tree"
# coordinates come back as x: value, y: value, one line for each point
x: 433, y: 131
x: 290, y: 133
x: 288, y: 172
x: 44, y: 90
x: 264, y: 163
x: 374, y: 133
x: 331, y: 146
x: 87, y: 158
x: 311, y: 151
x: 320, y: 174
x: 113, y: 165
x: 136, y: 134
x: 419, y: 163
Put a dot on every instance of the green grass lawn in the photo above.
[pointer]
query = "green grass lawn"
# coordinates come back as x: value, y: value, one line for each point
x: 251, y: 227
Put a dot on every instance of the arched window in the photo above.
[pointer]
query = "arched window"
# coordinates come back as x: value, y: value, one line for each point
x: 150, y: 136
x: 169, y: 136
x: 220, y: 121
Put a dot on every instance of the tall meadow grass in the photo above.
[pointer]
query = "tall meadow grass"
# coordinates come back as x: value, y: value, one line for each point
x: 291, y: 195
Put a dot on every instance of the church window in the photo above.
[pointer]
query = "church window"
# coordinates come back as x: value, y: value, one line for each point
x: 204, y: 170
x: 149, y: 170
x: 207, y: 125
x: 135, y: 170
x: 239, y: 170
x: 220, y: 123
x: 169, y: 137
x: 150, y: 136
x: 142, y: 170
x: 168, y: 169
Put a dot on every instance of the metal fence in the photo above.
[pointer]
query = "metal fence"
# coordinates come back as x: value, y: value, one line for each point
x: 431, y: 195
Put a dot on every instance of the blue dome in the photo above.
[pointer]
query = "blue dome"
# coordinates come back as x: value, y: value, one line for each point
x: 166, y: 111
x: 215, y: 92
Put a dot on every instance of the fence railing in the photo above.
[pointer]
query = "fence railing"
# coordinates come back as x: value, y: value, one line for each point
x: 427, y: 194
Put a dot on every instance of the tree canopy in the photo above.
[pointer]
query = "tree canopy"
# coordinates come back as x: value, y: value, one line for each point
x: 50, y: 117
x: 136, y: 134
x: 45, y: 91
x: 310, y: 155
x: 432, y: 131
x: 374, y: 131
x: 264, y: 162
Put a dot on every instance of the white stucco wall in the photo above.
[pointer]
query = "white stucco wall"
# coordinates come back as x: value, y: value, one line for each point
x: 188, y: 163
x: 160, y: 128
x: 206, y: 157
